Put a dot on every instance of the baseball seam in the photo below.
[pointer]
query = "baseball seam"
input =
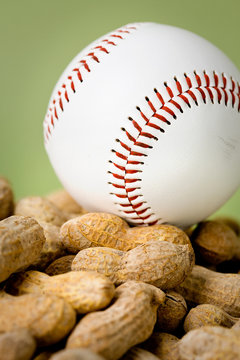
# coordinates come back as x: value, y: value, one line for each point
x: 139, y: 138
x: 83, y: 66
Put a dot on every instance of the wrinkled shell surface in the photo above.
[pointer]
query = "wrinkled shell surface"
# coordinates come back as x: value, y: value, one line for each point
x: 206, y: 314
x: 107, y: 230
x: 139, y: 354
x: 48, y: 318
x: 65, y: 202
x: 40, y: 209
x: 60, y: 266
x: 76, y: 354
x: 127, y: 322
x: 216, y: 242
x: 204, y: 286
x: 6, y: 199
x: 85, y: 291
x: 163, y: 345
x: 210, y: 343
x: 159, y: 263
x: 171, y: 313
x: 21, y: 242
x: 17, y: 345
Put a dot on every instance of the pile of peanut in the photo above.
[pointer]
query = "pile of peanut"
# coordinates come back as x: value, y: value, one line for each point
x: 76, y: 285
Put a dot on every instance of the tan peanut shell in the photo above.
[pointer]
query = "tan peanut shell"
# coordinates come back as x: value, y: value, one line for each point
x: 40, y: 209
x: 171, y: 313
x: 206, y: 314
x: 204, y: 286
x: 6, y: 199
x: 66, y: 203
x: 85, y: 291
x: 45, y: 355
x: 59, y: 266
x: 48, y: 318
x: 127, y: 322
x: 210, y: 343
x: 231, y: 222
x: 163, y: 345
x: 52, y: 248
x: 159, y: 263
x: 21, y: 242
x: 216, y: 242
x: 107, y: 230
x: 76, y: 354
x: 137, y: 353
x: 236, y: 326
x: 17, y: 345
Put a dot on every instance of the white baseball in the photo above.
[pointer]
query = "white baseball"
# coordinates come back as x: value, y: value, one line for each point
x: 145, y: 123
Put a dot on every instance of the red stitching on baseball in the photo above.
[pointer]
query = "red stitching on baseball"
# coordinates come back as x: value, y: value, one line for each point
x: 62, y: 96
x: 135, y: 142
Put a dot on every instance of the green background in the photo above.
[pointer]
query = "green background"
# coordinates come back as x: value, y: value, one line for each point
x: 38, y: 40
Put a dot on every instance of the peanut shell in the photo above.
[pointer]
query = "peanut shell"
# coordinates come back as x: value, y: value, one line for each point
x: 127, y: 322
x: 206, y: 314
x: 48, y: 318
x: 163, y: 345
x: 136, y: 353
x: 21, y: 242
x: 60, y: 266
x: 6, y: 199
x: 17, y: 345
x: 76, y: 354
x: 204, y: 286
x: 85, y: 291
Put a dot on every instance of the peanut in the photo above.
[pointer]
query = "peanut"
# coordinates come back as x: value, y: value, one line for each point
x: 60, y: 266
x: 210, y: 343
x: 45, y: 355
x: 48, y: 318
x: 66, y: 203
x: 52, y: 248
x: 206, y: 314
x: 127, y: 322
x: 85, y: 291
x: 159, y: 263
x: 231, y: 222
x: 21, y: 242
x: 163, y: 345
x: 76, y: 354
x: 6, y: 199
x: 40, y: 209
x: 17, y: 345
x: 236, y: 326
x: 139, y: 354
x: 171, y: 313
x: 103, y: 229
x: 205, y: 286
x: 216, y: 242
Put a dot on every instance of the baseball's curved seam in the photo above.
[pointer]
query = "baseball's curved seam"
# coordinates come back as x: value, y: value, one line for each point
x: 145, y: 212
x: 62, y: 94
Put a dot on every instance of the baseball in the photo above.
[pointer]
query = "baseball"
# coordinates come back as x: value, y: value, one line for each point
x: 144, y: 123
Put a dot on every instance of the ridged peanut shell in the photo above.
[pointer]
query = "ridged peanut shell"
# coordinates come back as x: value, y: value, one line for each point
x: 59, y: 266
x: 127, y: 322
x: 163, y: 345
x: 17, y: 345
x: 66, y: 203
x: 6, y: 199
x: 108, y: 230
x: 208, y: 315
x: 76, y: 354
x: 159, y: 263
x: 48, y: 318
x: 210, y: 343
x: 204, y: 286
x: 171, y: 313
x: 52, y: 248
x: 21, y: 242
x: 137, y: 353
x: 40, y: 209
x: 216, y: 242
x: 85, y: 291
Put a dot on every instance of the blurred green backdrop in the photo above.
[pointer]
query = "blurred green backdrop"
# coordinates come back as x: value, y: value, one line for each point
x: 38, y: 40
